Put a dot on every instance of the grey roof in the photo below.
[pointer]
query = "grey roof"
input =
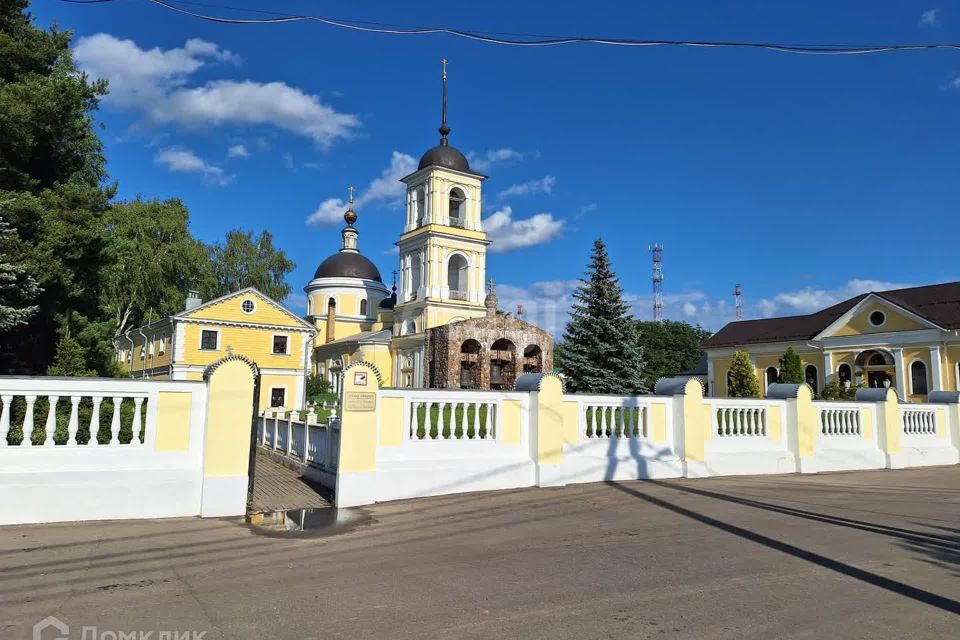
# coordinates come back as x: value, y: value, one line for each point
x: 348, y: 264
x: 443, y: 155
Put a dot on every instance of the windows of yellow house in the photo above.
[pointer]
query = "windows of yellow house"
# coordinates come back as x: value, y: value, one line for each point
x: 278, y: 396
x: 844, y: 373
x: 209, y: 340
x: 281, y: 345
x: 248, y: 306
x: 163, y: 345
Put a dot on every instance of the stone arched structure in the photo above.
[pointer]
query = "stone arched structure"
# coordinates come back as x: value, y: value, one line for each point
x: 485, y: 353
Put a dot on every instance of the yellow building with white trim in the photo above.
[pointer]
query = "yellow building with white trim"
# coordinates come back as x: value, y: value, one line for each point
x: 907, y: 339
x: 246, y: 322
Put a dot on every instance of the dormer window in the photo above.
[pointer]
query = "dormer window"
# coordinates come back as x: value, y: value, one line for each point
x: 458, y: 207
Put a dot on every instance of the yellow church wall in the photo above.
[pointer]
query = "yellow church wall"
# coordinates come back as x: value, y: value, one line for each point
x: 909, y: 357
x: 255, y: 343
x: 896, y: 321
x: 268, y: 382
x: 229, y: 310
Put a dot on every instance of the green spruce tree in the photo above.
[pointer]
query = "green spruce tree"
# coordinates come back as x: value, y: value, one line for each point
x: 601, y: 351
x: 743, y: 379
x: 70, y: 359
x: 791, y: 369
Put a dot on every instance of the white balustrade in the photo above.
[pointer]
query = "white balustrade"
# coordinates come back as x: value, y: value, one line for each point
x: 300, y: 438
x: 918, y: 421
x: 70, y: 411
x: 838, y: 421
x: 614, y: 417
x: 456, y: 418
x: 739, y: 419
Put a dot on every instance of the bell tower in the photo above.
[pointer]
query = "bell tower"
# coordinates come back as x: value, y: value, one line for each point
x: 443, y: 248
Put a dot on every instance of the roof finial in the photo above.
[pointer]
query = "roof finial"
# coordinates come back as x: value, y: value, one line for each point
x: 490, y: 285
x: 444, y: 129
x: 350, y: 216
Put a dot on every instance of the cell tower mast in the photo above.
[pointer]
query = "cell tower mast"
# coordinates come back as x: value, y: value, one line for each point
x: 738, y: 296
x: 657, y: 251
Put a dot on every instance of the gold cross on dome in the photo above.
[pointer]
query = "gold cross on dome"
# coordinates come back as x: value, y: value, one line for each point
x: 350, y: 189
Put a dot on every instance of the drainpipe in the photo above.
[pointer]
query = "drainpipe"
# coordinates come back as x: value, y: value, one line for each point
x: 143, y: 368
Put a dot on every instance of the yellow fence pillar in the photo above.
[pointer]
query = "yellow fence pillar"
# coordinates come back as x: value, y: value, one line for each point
x: 889, y: 426
x: 552, y: 422
x: 691, y: 422
x: 360, y: 415
x: 226, y: 451
x: 799, y: 422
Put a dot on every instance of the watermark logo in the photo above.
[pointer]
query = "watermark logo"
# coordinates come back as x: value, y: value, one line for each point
x: 61, y: 629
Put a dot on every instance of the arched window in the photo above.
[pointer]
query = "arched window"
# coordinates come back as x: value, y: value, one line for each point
x: 810, y: 376
x: 457, y: 276
x: 533, y: 359
x: 876, y: 360
x: 332, y: 305
x: 772, y: 375
x: 363, y: 307
x: 458, y: 207
x: 918, y: 378
x: 844, y: 374
x: 502, y: 366
x: 420, y: 207
x: 470, y: 364
x: 410, y: 327
x: 415, y: 277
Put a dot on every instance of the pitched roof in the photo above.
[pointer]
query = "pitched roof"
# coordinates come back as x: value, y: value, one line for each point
x: 937, y: 303
x: 246, y: 291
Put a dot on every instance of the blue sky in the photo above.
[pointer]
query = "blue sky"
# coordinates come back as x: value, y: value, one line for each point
x: 805, y: 178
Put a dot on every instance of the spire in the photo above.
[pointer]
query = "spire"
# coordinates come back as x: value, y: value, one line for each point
x: 349, y: 233
x: 350, y: 215
x: 490, y: 302
x: 444, y: 129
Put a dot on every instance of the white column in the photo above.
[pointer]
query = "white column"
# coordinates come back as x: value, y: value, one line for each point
x: 901, y: 374
x: 711, y: 393
x: 827, y: 367
x: 936, y: 370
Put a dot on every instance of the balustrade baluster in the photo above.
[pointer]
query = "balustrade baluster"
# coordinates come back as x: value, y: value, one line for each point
x: 137, y: 426
x: 5, y: 419
x: 476, y: 420
x: 490, y: 420
x: 51, y: 426
x: 74, y: 423
x: 115, y: 422
x: 27, y: 426
x: 428, y: 413
x: 94, y: 427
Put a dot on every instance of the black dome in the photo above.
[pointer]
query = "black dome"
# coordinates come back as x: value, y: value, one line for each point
x: 347, y: 264
x: 444, y: 156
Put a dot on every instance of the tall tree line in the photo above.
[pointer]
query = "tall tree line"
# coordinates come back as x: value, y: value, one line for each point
x: 74, y: 261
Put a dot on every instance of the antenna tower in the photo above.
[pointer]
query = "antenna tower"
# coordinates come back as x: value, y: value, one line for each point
x: 657, y: 251
x: 738, y: 296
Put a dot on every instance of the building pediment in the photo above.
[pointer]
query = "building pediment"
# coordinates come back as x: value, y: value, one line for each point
x: 875, y: 314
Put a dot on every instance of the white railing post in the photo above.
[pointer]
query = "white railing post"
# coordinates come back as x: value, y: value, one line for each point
x: 27, y: 426
x: 289, y: 433
x: 276, y: 428
x: 95, y: 423
x: 5, y: 419
x: 115, y: 422
x: 137, y: 427
x: 51, y: 425
x: 74, y: 423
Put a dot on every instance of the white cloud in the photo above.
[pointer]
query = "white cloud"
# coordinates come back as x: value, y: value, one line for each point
x: 154, y: 82
x: 482, y: 161
x: 386, y: 188
x: 953, y: 82
x: 508, y: 234
x: 930, y: 18
x: 543, y: 185
x: 810, y: 299
x: 238, y: 151
x: 185, y: 161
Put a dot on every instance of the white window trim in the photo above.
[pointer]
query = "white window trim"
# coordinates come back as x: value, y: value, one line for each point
x: 847, y: 365
x: 870, y: 318
x: 926, y: 374
x: 252, y: 311
x: 280, y: 335
x: 270, y: 397
x: 360, y: 302
x: 200, y: 343
x: 163, y: 345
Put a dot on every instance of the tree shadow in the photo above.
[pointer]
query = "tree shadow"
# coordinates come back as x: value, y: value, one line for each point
x: 894, y: 586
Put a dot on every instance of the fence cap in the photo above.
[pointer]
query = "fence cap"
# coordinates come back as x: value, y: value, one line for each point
x: 674, y: 386
x: 786, y: 390
x: 944, y: 397
x: 532, y: 381
x: 875, y: 394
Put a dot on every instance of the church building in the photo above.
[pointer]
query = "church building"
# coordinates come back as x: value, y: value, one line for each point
x: 439, y: 326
